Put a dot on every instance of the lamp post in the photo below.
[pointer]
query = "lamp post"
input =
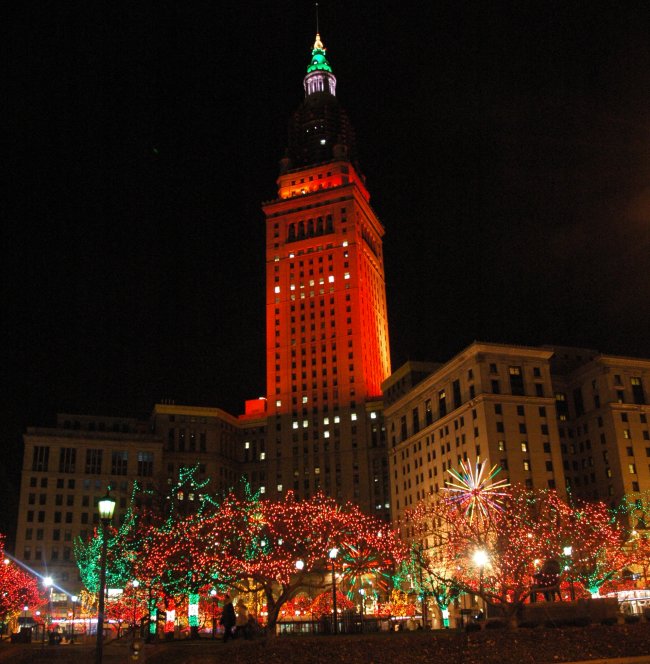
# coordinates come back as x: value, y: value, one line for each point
x: 213, y: 594
x: 106, y: 507
x: 74, y: 599
x: 136, y: 585
x: 481, y: 559
x: 362, y: 592
x: 423, y: 600
x: 38, y: 614
x: 568, y: 551
x: 333, y: 553
x: 48, y: 583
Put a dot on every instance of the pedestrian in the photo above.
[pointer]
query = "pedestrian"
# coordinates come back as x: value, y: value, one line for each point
x: 242, y: 619
x: 228, y: 619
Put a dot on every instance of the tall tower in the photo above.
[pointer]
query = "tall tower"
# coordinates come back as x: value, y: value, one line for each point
x: 326, y: 320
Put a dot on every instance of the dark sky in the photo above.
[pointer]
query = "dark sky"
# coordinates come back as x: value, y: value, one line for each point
x: 506, y: 147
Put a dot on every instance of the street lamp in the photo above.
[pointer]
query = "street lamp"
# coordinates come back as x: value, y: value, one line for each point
x: 333, y: 553
x: 213, y: 594
x: 481, y: 559
x: 568, y: 551
x: 362, y: 592
x: 136, y: 585
x: 48, y: 583
x: 38, y: 615
x: 106, y: 507
x: 74, y: 599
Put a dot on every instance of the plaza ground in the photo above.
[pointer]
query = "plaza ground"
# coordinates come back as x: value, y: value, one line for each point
x: 535, y: 646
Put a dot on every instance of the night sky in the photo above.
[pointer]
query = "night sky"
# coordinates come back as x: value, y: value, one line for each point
x: 506, y: 147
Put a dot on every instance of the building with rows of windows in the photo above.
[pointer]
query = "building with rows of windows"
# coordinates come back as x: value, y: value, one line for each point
x: 550, y: 417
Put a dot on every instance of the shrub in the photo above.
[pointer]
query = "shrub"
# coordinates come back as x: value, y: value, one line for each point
x: 495, y: 624
x: 608, y: 621
x: 529, y: 624
x: 632, y: 619
x: 472, y: 627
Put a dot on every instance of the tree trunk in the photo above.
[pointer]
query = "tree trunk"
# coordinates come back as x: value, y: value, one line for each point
x: 273, y: 611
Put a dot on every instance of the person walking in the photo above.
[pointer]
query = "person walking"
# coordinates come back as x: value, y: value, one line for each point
x: 228, y: 618
x: 242, y: 619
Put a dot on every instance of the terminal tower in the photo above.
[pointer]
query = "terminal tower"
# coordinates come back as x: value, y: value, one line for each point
x: 327, y: 343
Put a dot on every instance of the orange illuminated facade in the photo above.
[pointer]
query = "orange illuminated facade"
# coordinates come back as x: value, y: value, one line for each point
x: 326, y: 320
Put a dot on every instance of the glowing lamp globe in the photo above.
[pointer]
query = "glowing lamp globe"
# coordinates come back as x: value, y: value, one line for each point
x: 106, y: 508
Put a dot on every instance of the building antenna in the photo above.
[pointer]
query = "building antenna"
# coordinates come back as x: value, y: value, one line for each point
x: 317, y: 30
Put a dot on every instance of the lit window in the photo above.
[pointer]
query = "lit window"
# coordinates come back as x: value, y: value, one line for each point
x: 373, y: 416
x: 323, y: 141
x: 304, y: 399
x: 262, y: 489
x: 524, y: 446
x: 337, y: 419
x: 276, y: 259
x: 247, y: 445
x: 291, y: 255
x: 305, y: 424
x: 326, y: 420
x: 353, y: 417
x: 277, y: 289
x: 279, y: 487
x: 295, y: 425
x: 278, y: 403
x: 345, y: 243
x: 632, y: 468
x: 262, y: 456
x: 326, y: 434
x: 345, y: 276
x: 331, y: 278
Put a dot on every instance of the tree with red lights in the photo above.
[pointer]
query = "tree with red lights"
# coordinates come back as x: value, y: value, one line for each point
x: 18, y: 589
x: 322, y: 604
x: 498, y: 556
x: 594, y: 543
x: 291, y: 541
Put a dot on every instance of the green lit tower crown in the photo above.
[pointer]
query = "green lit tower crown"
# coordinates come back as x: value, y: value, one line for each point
x: 319, y: 130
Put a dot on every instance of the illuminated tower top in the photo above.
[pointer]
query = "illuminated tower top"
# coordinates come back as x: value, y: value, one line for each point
x: 319, y: 130
x: 319, y: 73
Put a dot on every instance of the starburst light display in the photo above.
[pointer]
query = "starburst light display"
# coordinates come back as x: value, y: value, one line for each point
x: 475, y: 491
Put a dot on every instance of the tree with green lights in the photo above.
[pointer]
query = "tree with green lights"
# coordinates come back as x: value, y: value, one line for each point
x: 430, y: 575
x: 594, y: 541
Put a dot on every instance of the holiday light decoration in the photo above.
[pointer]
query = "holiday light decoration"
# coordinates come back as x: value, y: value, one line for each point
x: 536, y: 542
x: 516, y: 541
x: 240, y: 542
x: 433, y: 576
x: 595, y: 542
x: 322, y: 604
x: 18, y: 589
x: 474, y: 490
